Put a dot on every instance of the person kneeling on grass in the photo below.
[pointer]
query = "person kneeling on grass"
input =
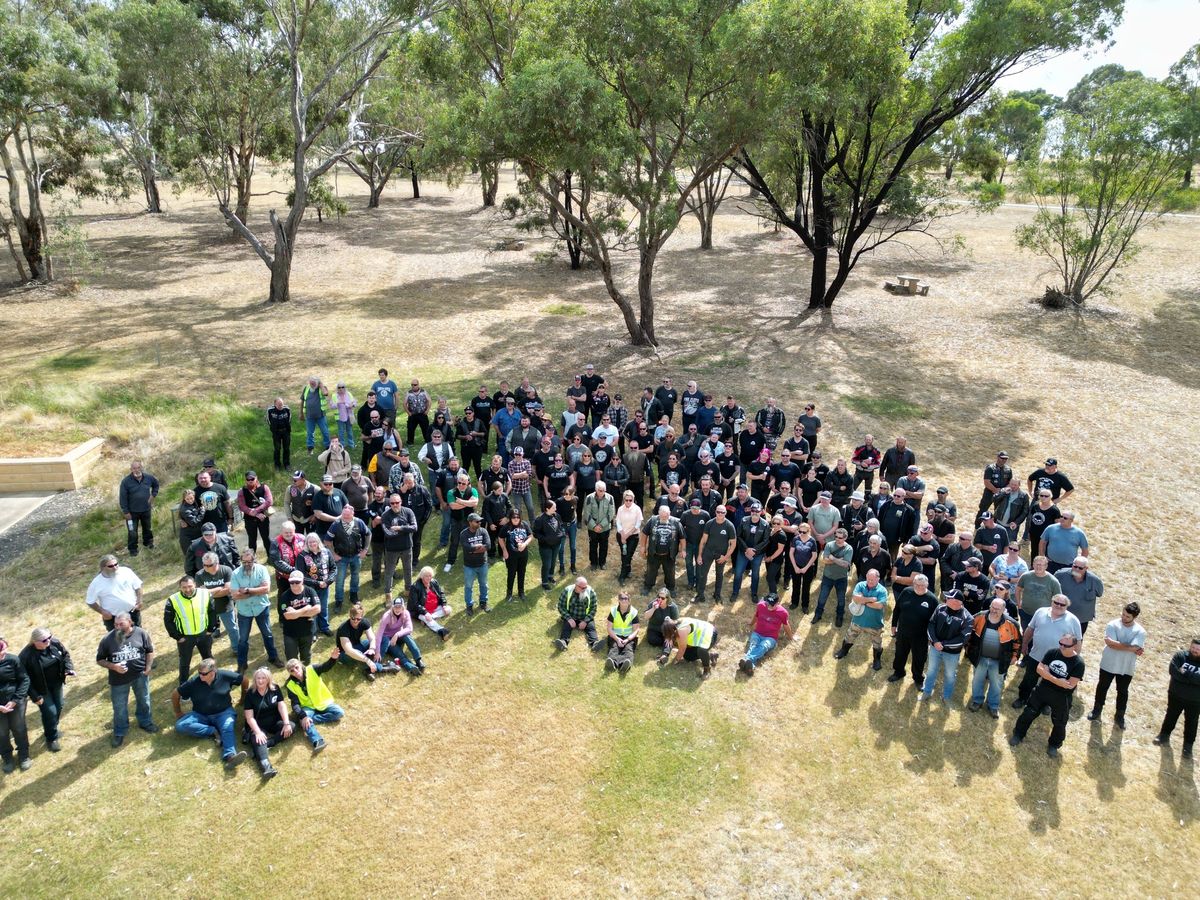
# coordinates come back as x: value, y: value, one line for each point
x: 769, y: 619
x: 212, y: 714
x: 577, y: 612
x: 395, y: 636
x: 623, y: 628
x: 267, y: 719
x: 427, y: 603
x: 867, y: 606
x: 693, y: 639
x: 312, y: 702
x: 356, y: 640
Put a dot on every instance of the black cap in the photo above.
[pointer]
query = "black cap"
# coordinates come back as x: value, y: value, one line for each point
x: 696, y: 504
x: 952, y: 595
x: 299, y: 473
x: 208, y: 462
x: 771, y: 599
x: 209, y: 528
x: 1052, y: 461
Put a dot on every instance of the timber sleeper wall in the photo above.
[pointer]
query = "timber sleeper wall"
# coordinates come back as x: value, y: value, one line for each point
x: 49, y: 473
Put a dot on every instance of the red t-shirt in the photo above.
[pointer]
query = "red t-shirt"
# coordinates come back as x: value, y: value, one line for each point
x: 431, y: 602
x: 770, y: 619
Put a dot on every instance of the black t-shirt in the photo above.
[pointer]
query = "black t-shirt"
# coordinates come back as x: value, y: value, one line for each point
x: 131, y: 650
x: 1060, y: 667
x: 265, y: 707
x: 974, y: 590
x: 475, y: 545
x: 298, y: 628
x: 1055, y: 484
x: 796, y: 445
x: 212, y: 500
x: 789, y: 473
x: 513, y: 536
x: 483, y: 409
x: 655, y: 622
x: 1039, y: 520
x: 210, y: 699
x: 353, y: 633
x: 218, y: 579
x: 721, y: 536
x: 489, y: 479
x: 809, y: 490
x: 668, y: 397
x: 693, y: 525
x: 557, y: 480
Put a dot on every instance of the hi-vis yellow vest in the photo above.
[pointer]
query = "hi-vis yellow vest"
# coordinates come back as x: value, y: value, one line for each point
x: 622, y: 625
x: 191, y: 613
x: 312, y: 694
x: 701, y: 634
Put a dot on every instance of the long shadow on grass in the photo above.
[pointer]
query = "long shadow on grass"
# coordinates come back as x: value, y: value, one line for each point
x: 1177, y: 786
x: 41, y: 789
x: 1104, y: 761
x: 1039, y: 784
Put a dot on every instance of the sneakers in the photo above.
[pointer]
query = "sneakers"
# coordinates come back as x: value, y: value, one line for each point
x: 319, y: 745
x: 610, y: 664
x: 25, y: 765
x: 745, y: 667
x: 923, y: 697
x: 483, y: 607
x: 521, y: 597
x: 974, y: 707
x: 1052, y: 752
x: 54, y: 746
x: 1093, y: 715
x: 994, y: 713
x: 595, y: 645
x: 1160, y: 740
x: 1014, y: 741
x: 507, y: 598
x: 470, y: 611
x: 446, y: 567
x: 234, y: 759
x: 421, y: 664
x: 118, y: 740
x: 560, y: 644
x: 625, y: 666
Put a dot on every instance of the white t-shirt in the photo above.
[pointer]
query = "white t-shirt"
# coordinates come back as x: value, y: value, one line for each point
x: 116, y: 594
x: 1122, y: 662
x: 609, y: 432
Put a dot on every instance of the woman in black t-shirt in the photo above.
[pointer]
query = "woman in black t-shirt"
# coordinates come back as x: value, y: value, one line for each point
x: 266, y: 714
x: 567, y: 511
x: 515, y: 538
x: 775, y: 554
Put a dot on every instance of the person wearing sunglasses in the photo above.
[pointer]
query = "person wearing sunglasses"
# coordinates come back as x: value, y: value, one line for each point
x: 1049, y: 625
x: 115, y: 590
x: 48, y: 664
x: 1059, y: 673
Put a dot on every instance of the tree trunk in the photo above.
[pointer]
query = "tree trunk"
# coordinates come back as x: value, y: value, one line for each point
x: 241, y: 206
x: 705, y: 215
x: 646, y: 295
x: 150, y: 185
x: 489, y: 178
x: 281, y: 268
x: 1187, y: 174
x: 835, y: 286
x: 816, y: 285
x: 572, y: 236
x: 949, y: 170
x: 12, y: 249
x: 416, y: 185
x: 373, y: 198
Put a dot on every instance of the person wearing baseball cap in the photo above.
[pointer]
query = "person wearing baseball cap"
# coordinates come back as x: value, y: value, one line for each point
x: 990, y: 539
x: 949, y: 629
x: 972, y: 585
x: 996, y: 477
x: 942, y: 498
x: 1059, y: 673
x: 1050, y: 478
x: 475, y: 543
x: 769, y: 619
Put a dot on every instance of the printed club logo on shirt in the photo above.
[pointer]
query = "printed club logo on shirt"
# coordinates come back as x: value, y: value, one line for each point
x: 209, y: 500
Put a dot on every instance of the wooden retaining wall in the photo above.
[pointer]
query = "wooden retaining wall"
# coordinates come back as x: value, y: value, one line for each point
x: 49, y: 473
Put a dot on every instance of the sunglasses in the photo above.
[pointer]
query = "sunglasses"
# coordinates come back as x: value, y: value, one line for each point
x: 1057, y: 603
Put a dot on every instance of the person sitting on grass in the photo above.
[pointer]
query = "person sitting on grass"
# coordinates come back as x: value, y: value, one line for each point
x: 693, y: 639
x: 395, y: 636
x: 212, y: 714
x: 577, y: 612
x: 267, y: 719
x: 356, y: 639
x: 623, y: 626
x: 769, y: 618
x: 312, y: 701
x: 427, y: 603
x: 661, y: 608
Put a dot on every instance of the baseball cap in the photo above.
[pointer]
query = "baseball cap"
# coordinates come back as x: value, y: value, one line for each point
x: 404, y: 451
x: 913, y: 469
x: 816, y: 454
x: 943, y: 490
x: 940, y: 507
x: 696, y: 504
x: 208, y: 461
x: 298, y: 474
x: 857, y: 495
x: 742, y: 487
x: 952, y: 595
x: 209, y: 528
x: 326, y: 478
x: 926, y: 527
x: 251, y: 474
x: 397, y: 601
x: 974, y: 561
x: 589, y: 366
x: 771, y: 599
x: 295, y: 576
x: 1052, y: 461
x: 985, y: 515
x: 826, y: 495
x: 474, y: 517
x: 518, y: 451
x: 1002, y: 455
x: 756, y: 506
x: 715, y: 431
x: 356, y: 468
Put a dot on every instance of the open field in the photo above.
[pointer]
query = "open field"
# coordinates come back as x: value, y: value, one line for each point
x: 512, y: 770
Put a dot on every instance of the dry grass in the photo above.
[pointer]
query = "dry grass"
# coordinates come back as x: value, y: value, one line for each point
x: 510, y: 771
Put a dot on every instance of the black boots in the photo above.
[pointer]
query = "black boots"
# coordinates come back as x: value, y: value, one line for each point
x: 876, y: 659
x: 845, y: 648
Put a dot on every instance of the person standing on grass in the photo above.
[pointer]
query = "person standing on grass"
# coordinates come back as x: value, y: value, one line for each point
x: 279, y: 423
x: 214, y: 500
x: 312, y: 400
x: 1062, y: 542
x: 298, y: 611
x: 1049, y: 478
x: 1048, y: 626
x: 48, y: 664
x: 1059, y: 673
x: 810, y: 422
x: 803, y: 554
x: 348, y: 539
x: 128, y: 654
x: 628, y: 524
x: 1012, y: 508
x: 994, y: 645
x: 867, y: 459
x: 550, y: 532
x: 398, y: 524
x: 837, y: 558
x: 212, y: 709
x: 577, y: 612
x: 116, y: 589
x: 868, y: 604
x: 949, y: 629
x: 461, y: 500
x: 1083, y: 587
x: 623, y: 626
x: 896, y: 461
x: 136, y: 495
x: 1183, y: 698
x: 191, y: 519
x: 386, y: 392
x: 1042, y: 514
x: 211, y: 541
x: 416, y: 404
x: 475, y: 545
x: 599, y: 513
x: 514, y: 539
x: 914, y: 608
x: 336, y: 460
x: 693, y: 639
x: 190, y: 619
x: 344, y: 404
x: 312, y: 701
x: 717, y: 545
x: 1124, y: 642
x: 14, y: 695
x: 249, y: 586
x: 255, y: 502
x: 769, y: 618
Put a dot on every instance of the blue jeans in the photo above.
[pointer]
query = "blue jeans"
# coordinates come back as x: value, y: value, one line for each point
x: 471, y: 574
x: 346, y: 434
x: 396, y: 651
x: 939, y: 659
x: 120, y: 704
x: 572, y: 533
x: 323, y: 615
x: 51, y: 711
x: 331, y: 713
x: 264, y: 628
x: 353, y: 565
x: 447, y: 524
x: 758, y: 647
x: 547, y: 556
x: 838, y: 586
x: 740, y: 565
x: 691, y: 562
x: 199, y: 725
x: 310, y: 425
x: 988, y: 669
x: 525, y: 499
x: 229, y: 621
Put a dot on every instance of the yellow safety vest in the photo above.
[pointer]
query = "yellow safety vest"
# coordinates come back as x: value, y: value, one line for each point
x: 313, y: 693
x: 701, y: 633
x: 191, y: 613
x: 622, y: 626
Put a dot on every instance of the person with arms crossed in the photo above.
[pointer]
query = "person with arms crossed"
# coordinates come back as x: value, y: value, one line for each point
x: 1124, y: 642
x: 128, y: 654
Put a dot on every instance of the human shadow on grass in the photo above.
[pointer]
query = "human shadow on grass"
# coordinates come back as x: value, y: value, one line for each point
x: 1177, y: 785
x: 1039, y: 776
x: 1104, y: 760
x: 42, y: 788
x: 850, y: 683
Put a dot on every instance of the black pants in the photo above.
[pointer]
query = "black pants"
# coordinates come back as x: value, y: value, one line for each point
x: 706, y: 563
x: 260, y: 750
x: 628, y: 548
x: 1029, y: 680
x: 1190, y: 709
x: 201, y: 642
x: 598, y: 548
x: 912, y: 646
x: 865, y: 478
x: 653, y: 565
x: 516, y: 564
x: 1102, y: 685
x: 702, y: 653
x: 471, y: 457
x: 1059, y: 704
x: 802, y: 588
x: 258, y: 528
x: 456, y: 528
x: 13, y: 724
x: 985, y: 503
x: 415, y: 419
x: 589, y: 632
x: 639, y: 493
x: 282, y: 446
x: 416, y: 543
x: 774, y: 570
x: 298, y: 647
x: 812, y: 444
x: 131, y: 526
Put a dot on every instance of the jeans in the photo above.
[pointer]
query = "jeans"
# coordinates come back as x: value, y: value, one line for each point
x: 740, y: 565
x: 323, y: 615
x: 199, y: 725
x: 310, y: 425
x: 391, y: 559
x: 346, y: 434
x: 547, y: 555
x: 132, y: 523
x: 264, y: 628
x: 691, y: 562
x: 758, y: 647
x: 471, y: 574
x: 120, y: 704
x: 13, y: 723
x: 51, y: 710
x: 353, y: 565
x: 331, y: 713
x: 444, y: 534
x: 572, y: 532
x: 989, y: 670
x: 523, y: 499
x: 838, y: 586
x: 396, y: 651
x: 940, y: 659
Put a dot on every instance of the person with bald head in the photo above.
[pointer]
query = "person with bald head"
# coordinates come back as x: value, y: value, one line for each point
x: 577, y: 612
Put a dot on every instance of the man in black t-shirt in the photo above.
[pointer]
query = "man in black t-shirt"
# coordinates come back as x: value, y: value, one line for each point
x: 662, y: 534
x: 356, y: 639
x: 990, y: 539
x: 1050, y: 478
x: 212, y: 709
x: 667, y: 397
x: 214, y: 500
x: 1060, y: 672
x: 972, y: 585
x: 716, y: 547
x: 128, y: 654
x: 896, y: 461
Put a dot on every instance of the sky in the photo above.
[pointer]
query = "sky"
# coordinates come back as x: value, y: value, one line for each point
x: 1152, y: 36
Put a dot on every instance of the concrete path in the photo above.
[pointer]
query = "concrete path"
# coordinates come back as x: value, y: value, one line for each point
x: 15, y: 507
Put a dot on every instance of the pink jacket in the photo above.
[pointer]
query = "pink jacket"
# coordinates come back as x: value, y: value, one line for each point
x: 392, y: 626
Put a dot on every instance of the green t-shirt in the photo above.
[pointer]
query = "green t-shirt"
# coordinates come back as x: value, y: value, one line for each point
x: 837, y: 573
x: 1036, y: 591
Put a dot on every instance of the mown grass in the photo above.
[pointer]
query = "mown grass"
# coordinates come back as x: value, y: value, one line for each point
x: 883, y: 406
x: 568, y: 310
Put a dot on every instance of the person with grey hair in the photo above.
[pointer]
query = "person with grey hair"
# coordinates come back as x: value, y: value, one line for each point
x: 212, y: 712
x: 114, y: 590
x: 48, y: 664
x: 136, y: 496
x: 267, y: 718
x: 1083, y: 587
x: 915, y: 606
x: 1041, y: 637
x: 313, y: 398
x: 128, y: 653
x: 599, y: 513
x: 993, y: 647
x: 190, y: 619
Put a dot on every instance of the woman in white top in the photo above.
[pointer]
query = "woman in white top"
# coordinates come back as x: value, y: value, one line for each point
x: 628, y: 525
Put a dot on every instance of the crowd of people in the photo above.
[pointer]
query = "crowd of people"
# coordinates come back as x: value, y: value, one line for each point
x: 689, y: 489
